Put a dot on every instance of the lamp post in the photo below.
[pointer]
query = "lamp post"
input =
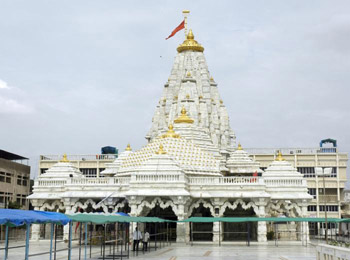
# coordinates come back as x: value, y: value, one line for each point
x: 324, y: 172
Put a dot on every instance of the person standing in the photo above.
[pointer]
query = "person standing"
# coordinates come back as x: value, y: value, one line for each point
x: 136, y: 237
x: 145, y: 240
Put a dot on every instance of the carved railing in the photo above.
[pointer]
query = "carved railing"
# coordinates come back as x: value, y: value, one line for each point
x: 161, y: 178
x: 284, y: 182
x: 225, y: 180
x: 50, y: 183
x: 324, y: 251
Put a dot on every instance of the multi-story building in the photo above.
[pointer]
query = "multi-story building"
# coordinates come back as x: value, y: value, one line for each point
x: 14, y: 180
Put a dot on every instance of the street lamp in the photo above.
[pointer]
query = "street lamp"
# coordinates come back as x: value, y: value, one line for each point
x: 324, y: 172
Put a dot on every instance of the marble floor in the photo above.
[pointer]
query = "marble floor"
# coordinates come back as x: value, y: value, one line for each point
x: 285, y: 251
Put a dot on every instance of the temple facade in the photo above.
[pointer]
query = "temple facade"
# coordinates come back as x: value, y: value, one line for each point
x: 190, y: 166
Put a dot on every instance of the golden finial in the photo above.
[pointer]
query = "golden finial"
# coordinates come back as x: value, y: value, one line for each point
x: 239, y: 147
x: 175, y: 98
x: 160, y: 151
x: 183, y: 118
x: 221, y: 102
x: 279, y: 157
x: 164, y: 100
x: 190, y: 44
x: 211, y: 79
x: 200, y: 97
x: 188, y: 74
x: 64, y: 159
x: 128, y: 148
x: 171, y: 133
x: 188, y: 96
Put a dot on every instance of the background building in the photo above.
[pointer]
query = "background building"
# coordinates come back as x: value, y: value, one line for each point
x: 14, y: 180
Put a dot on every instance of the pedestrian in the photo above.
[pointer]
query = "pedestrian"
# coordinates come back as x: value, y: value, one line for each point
x: 145, y: 240
x: 136, y: 237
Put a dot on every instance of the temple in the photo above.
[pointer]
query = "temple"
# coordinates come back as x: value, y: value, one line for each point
x: 190, y: 166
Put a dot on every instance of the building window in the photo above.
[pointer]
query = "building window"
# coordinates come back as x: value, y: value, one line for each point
x: 312, y: 208
x: 312, y: 191
x: 89, y: 172
x: 43, y: 170
x: 308, y: 172
x: 330, y: 208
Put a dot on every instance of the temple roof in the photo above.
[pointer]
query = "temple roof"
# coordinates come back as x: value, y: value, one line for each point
x: 187, y: 155
x: 240, y: 162
x: 62, y: 170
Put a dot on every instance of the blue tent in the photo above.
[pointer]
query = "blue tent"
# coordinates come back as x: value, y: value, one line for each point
x: 17, y: 217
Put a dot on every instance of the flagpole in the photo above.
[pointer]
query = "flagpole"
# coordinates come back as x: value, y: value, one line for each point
x: 185, y: 13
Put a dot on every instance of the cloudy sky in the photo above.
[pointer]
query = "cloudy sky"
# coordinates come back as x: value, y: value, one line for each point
x: 79, y: 75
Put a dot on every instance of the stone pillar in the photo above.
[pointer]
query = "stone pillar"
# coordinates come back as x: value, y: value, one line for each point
x: 262, y: 230
x: 216, y: 232
x: 305, y: 228
x: 66, y: 227
x: 36, y: 227
x: 181, y: 234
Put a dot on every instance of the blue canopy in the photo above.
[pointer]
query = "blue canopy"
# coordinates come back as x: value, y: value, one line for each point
x: 17, y: 217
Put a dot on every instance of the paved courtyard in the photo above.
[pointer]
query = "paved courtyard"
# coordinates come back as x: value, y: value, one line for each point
x: 285, y: 251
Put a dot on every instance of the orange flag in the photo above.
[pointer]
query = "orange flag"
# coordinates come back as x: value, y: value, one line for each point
x: 179, y: 28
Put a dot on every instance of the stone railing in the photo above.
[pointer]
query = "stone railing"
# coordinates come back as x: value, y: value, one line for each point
x: 99, y: 181
x: 325, y: 252
x: 285, y: 182
x: 225, y: 180
x: 161, y: 178
x: 80, y: 157
x: 50, y: 183
x: 171, y: 178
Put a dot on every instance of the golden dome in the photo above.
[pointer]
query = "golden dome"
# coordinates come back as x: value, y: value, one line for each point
x: 64, y: 159
x: 128, y: 148
x: 183, y: 118
x: 171, y: 133
x: 160, y: 151
x: 190, y: 44
x: 279, y: 157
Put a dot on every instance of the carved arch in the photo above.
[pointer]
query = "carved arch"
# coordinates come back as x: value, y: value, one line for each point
x: 206, y: 204
x: 161, y: 204
x: 52, y: 206
x: 93, y: 204
x: 234, y: 205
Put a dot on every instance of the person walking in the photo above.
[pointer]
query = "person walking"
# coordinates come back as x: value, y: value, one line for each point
x: 145, y: 241
x: 137, y: 236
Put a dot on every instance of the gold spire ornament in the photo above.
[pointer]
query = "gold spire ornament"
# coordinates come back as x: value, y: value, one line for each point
x: 239, y: 147
x: 279, y: 157
x: 161, y: 151
x: 188, y: 74
x: 190, y: 44
x: 64, y: 159
x: 183, y: 118
x: 128, y: 148
x: 171, y: 133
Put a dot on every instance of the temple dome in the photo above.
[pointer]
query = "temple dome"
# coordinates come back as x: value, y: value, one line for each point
x: 112, y: 168
x: 61, y: 170
x: 190, y: 44
x: 239, y: 162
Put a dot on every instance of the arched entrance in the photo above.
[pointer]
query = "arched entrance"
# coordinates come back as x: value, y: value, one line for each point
x: 239, y: 231
x: 166, y: 213
x: 202, y: 231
